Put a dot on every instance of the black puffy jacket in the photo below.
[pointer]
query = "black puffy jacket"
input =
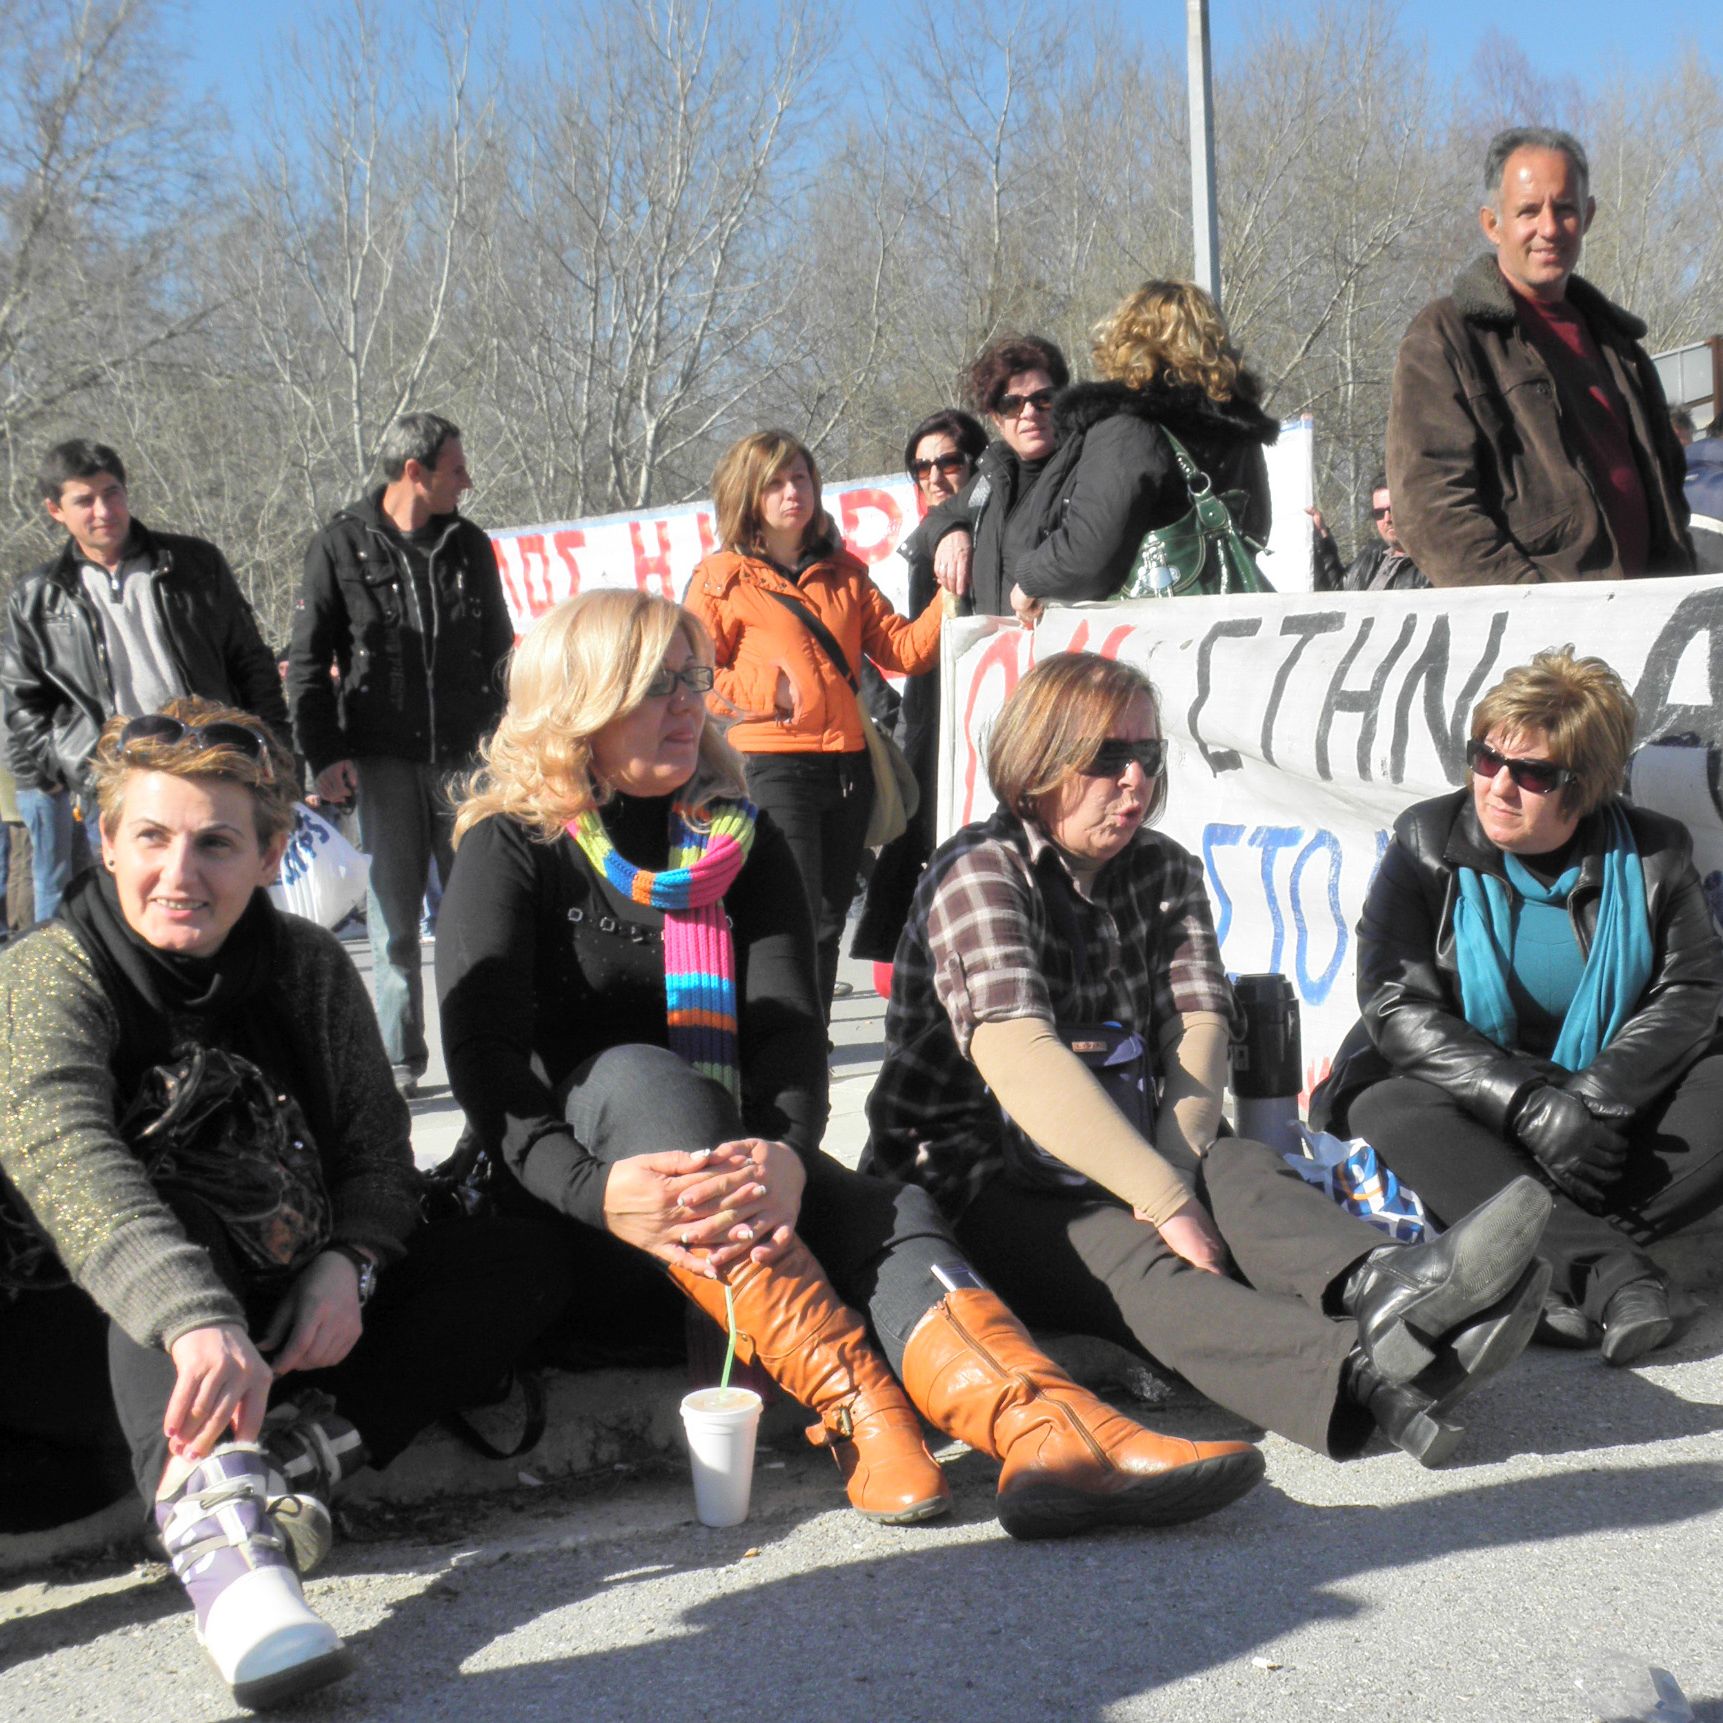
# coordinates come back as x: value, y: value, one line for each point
x: 54, y: 674
x: 1112, y: 478
x: 419, y: 637
x: 1000, y: 486
x: 1408, y: 973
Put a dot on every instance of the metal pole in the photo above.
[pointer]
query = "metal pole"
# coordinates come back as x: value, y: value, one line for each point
x: 1205, y: 222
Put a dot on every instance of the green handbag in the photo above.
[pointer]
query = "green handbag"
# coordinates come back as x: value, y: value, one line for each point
x: 1202, y: 552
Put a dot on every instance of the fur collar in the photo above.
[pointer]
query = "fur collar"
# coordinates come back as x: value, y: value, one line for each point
x: 1483, y: 296
x: 1184, y: 409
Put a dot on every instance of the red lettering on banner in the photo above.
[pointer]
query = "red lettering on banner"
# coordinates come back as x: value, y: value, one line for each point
x: 564, y: 544
x: 647, y: 565
x: 852, y: 505
x: 508, y: 569
x: 1003, y: 651
x: 708, y: 538
x: 529, y: 547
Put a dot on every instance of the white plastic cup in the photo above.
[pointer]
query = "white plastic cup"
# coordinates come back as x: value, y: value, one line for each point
x: 721, y: 1424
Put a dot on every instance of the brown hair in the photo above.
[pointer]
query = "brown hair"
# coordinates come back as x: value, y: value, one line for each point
x: 1055, y: 719
x: 581, y: 665
x: 1001, y: 360
x: 1171, y: 331
x: 1584, y: 710
x: 272, y: 778
x: 740, y: 479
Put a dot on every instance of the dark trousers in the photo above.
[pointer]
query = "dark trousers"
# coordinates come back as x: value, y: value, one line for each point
x: 448, y: 1320
x: 878, y: 1242
x: 1454, y: 1162
x: 1263, y: 1345
x: 821, y: 803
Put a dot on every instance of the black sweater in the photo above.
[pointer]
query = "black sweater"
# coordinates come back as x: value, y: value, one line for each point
x: 528, y: 992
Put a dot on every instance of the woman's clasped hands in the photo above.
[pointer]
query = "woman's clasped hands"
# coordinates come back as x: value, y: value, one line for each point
x: 704, y: 1212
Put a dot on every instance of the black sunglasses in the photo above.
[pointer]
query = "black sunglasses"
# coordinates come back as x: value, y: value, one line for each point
x: 158, y: 728
x: 1538, y: 776
x: 1115, y: 754
x: 1011, y: 406
x: 1382, y: 514
x: 696, y: 678
x: 947, y: 464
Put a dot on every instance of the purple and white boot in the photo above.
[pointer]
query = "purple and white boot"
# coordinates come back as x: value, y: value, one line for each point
x: 231, y: 1557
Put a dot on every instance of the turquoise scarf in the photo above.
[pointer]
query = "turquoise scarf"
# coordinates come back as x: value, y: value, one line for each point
x: 1616, y: 969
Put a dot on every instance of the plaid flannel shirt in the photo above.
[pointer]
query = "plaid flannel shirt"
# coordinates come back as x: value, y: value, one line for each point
x: 999, y: 930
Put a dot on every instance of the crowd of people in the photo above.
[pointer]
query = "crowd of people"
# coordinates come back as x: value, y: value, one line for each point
x: 216, y: 1271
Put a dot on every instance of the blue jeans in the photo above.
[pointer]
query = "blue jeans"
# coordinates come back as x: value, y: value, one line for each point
x: 47, y: 817
x: 405, y: 820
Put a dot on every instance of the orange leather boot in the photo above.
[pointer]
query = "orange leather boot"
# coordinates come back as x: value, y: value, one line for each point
x: 816, y: 1348
x: 1069, y: 1462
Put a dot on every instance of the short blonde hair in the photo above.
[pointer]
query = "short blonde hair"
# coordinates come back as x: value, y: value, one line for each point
x: 740, y: 479
x: 1583, y: 709
x: 584, y: 663
x: 270, y: 775
x: 1171, y: 331
x: 1054, y: 720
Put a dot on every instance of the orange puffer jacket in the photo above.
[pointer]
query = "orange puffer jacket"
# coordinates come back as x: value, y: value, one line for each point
x: 757, y: 637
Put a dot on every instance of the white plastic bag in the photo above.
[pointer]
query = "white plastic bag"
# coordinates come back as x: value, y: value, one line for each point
x: 323, y: 877
x: 1363, y: 1184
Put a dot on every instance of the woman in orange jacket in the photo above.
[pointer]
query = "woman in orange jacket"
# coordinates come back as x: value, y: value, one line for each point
x: 781, y: 579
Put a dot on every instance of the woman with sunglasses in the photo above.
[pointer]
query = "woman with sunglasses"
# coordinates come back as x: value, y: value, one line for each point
x: 1056, y: 1049
x: 1013, y: 382
x: 1165, y: 363
x: 940, y: 458
x: 777, y: 600
x: 626, y: 972
x: 203, y: 1138
x: 1540, y: 981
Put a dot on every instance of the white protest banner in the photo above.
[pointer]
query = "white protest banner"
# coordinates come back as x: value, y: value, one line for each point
x: 1299, y: 727
x: 657, y: 551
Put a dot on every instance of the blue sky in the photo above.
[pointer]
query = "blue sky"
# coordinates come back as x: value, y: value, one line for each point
x: 227, y: 44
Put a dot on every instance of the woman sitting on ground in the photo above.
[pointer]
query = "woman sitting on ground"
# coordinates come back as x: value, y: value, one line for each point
x: 1540, y: 980
x: 1056, y: 1048
x: 632, y: 1024
x: 201, y: 1131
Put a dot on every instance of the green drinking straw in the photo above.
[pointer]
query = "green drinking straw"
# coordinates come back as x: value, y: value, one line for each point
x: 730, y: 1350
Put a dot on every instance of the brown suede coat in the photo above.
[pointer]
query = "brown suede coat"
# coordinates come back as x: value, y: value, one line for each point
x: 1488, y: 490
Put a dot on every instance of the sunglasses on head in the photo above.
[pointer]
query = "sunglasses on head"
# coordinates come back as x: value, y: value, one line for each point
x: 1012, y: 406
x: 157, y: 728
x: 1115, y: 754
x: 948, y: 464
x: 1538, y: 776
x: 696, y: 678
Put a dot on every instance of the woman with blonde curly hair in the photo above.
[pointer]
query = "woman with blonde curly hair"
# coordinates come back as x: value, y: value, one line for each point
x: 626, y: 969
x: 1165, y: 364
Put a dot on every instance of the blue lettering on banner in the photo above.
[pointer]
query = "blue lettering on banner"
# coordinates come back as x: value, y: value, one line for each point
x: 1214, y: 836
x: 309, y: 835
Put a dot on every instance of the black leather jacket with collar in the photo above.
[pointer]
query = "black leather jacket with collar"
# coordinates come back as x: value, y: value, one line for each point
x: 54, y: 672
x: 1408, y: 974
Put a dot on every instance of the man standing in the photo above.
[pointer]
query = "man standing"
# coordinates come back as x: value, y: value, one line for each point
x: 1380, y: 567
x: 122, y: 620
x: 1528, y: 438
x: 402, y: 596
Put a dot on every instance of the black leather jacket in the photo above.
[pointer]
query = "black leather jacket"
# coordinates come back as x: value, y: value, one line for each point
x: 54, y: 673
x: 1408, y: 974
x: 419, y: 639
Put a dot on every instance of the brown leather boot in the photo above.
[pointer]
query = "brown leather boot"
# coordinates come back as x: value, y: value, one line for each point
x: 816, y: 1348
x: 1068, y: 1460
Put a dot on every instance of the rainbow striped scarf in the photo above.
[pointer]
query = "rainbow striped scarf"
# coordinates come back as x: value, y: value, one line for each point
x: 699, y: 958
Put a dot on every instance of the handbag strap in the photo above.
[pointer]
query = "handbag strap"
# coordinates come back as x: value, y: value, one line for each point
x: 1187, y: 467
x: 823, y: 635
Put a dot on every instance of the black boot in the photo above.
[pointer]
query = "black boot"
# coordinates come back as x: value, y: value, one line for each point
x: 1407, y: 1416
x: 1411, y: 1299
x: 1636, y: 1320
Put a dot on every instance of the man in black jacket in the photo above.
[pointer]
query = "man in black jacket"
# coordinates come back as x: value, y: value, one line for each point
x: 122, y: 620
x: 402, y: 597
x: 1382, y: 566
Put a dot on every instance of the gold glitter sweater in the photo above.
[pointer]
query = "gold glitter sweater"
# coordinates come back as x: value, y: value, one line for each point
x: 60, y: 1147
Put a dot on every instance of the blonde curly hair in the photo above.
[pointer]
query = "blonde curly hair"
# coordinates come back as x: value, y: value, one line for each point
x: 584, y: 663
x: 1170, y: 331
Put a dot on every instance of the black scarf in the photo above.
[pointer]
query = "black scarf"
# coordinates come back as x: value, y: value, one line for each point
x: 166, y: 1000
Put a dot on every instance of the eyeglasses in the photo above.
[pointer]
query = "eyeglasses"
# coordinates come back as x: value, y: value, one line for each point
x: 1538, y: 776
x: 950, y: 464
x: 1115, y: 754
x: 696, y: 678
x: 1382, y: 514
x: 1012, y: 406
x: 159, y: 728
